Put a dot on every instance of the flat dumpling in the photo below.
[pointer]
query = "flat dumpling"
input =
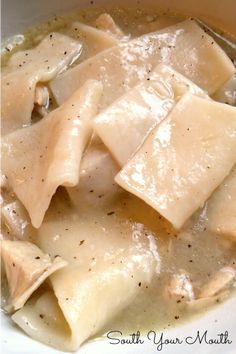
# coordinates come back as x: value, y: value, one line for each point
x: 184, y: 159
x: 221, y: 208
x: 39, y: 158
x: 43, y: 312
x: 93, y: 39
x: 106, y: 23
x: 111, y: 261
x: 123, y: 66
x: 25, y: 69
x: 96, y: 187
x: 27, y: 267
x: 124, y: 125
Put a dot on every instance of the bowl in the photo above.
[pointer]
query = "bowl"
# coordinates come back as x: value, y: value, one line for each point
x: 212, y: 331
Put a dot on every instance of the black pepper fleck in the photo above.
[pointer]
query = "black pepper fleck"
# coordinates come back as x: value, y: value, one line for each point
x: 110, y: 213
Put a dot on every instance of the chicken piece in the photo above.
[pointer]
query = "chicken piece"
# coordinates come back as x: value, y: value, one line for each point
x: 10, y: 44
x: 124, y: 66
x: 221, y: 281
x: 3, y: 181
x: 184, y: 159
x: 16, y: 220
x: 130, y: 118
x: 221, y: 208
x: 41, y: 100
x: 227, y: 93
x: 41, y: 96
x: 39, y: 158
x: 180, y: 288
x: 25, y: 69
x: 27, y: 267
x: 106, y: 23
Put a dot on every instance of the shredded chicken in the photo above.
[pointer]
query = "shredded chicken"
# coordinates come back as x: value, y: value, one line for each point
x: 27, y: 267
x: 180, y: 287
x: 16, y: 219
x: 3, y: 181
x: 41, y: 99
x: 222, y: 280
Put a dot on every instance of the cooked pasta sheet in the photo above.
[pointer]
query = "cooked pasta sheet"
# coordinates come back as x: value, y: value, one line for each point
x: 161, y: 174
x: 221, y: 208
x: 130, y: 118
x: 94, y: 40
x: 25, y: 69
x: 110, y: 262
x: 96, y: 187
x: 54, y: 147
x: 122, y: 67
